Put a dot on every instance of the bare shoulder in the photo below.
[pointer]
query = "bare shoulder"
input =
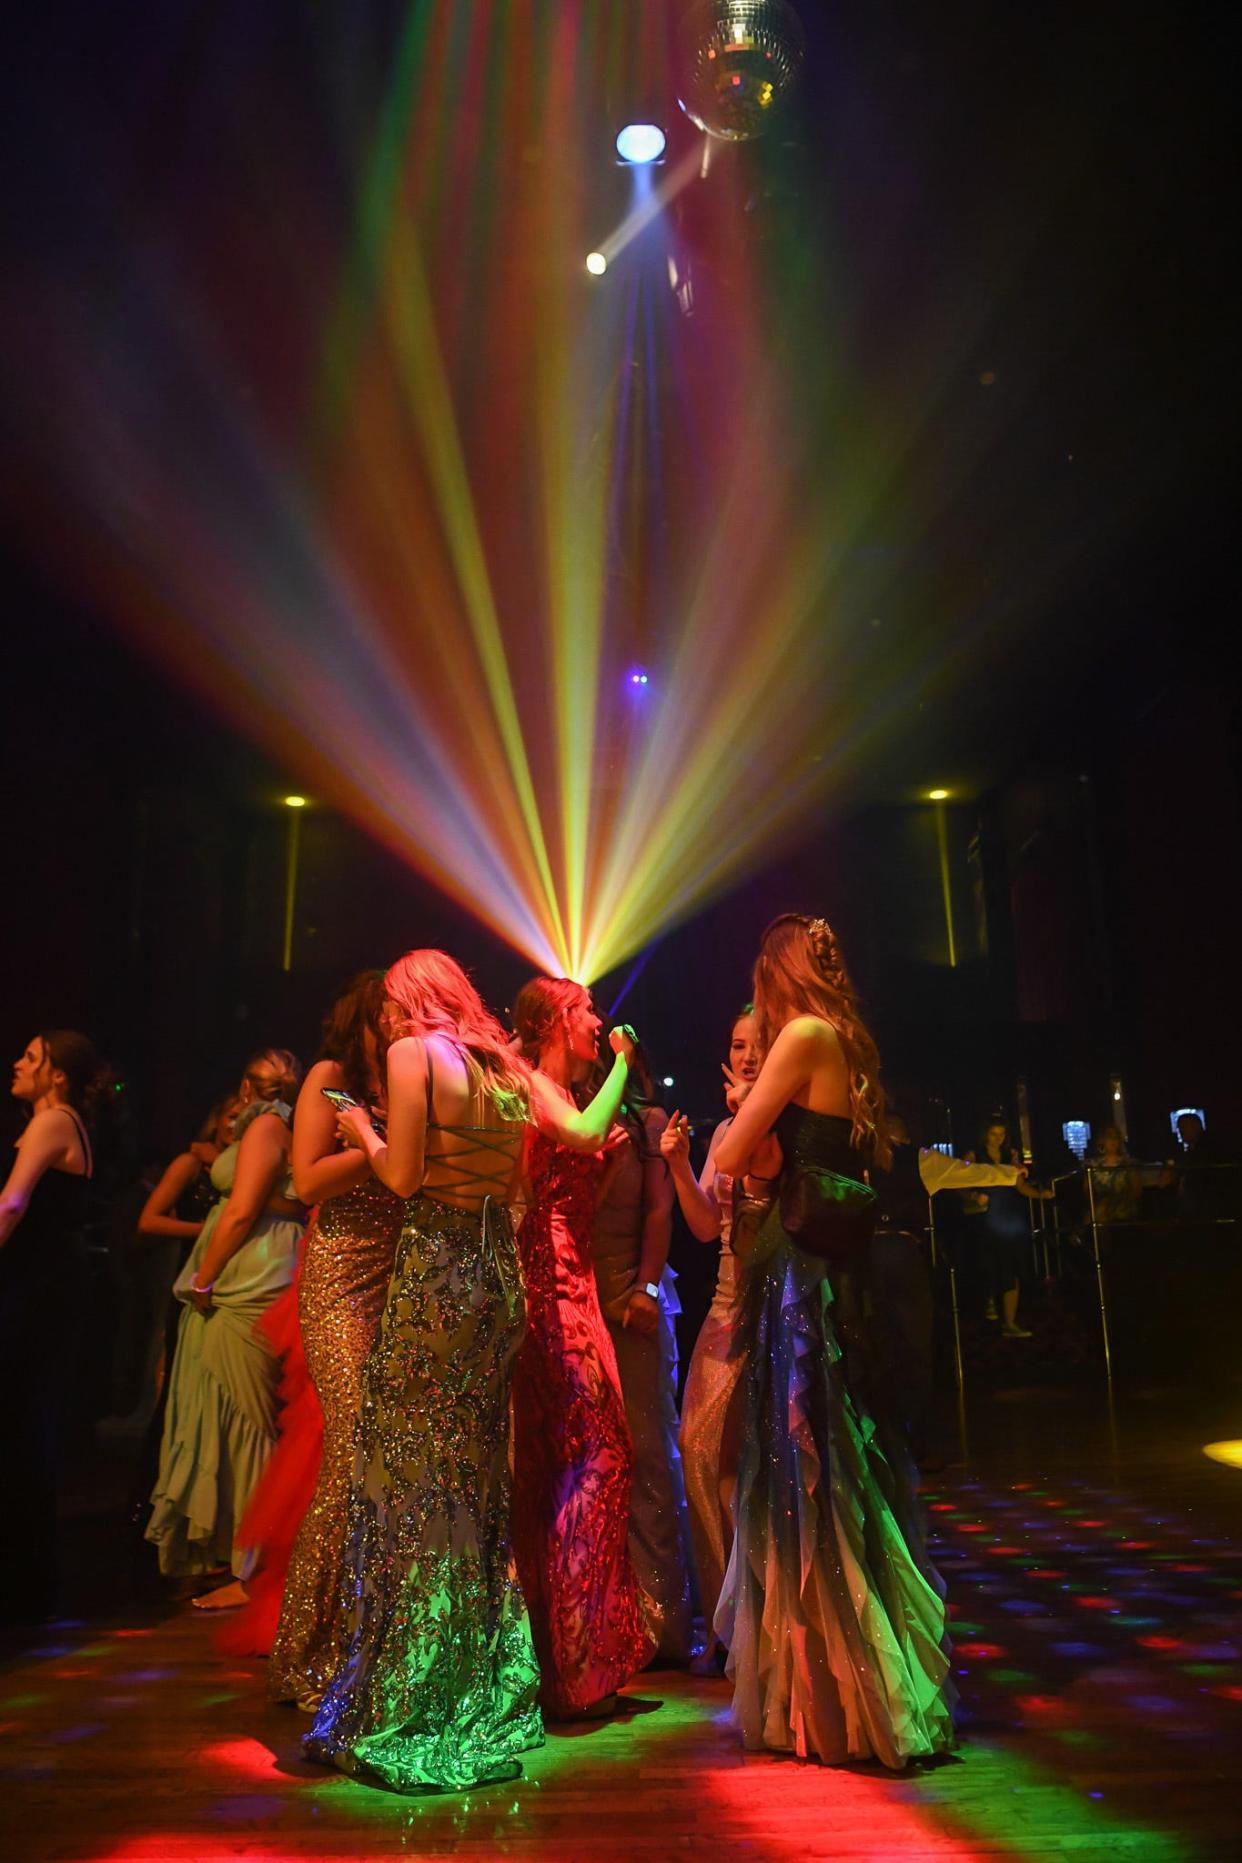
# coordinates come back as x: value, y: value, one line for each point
x: 322, y: 1074
x: 655, y: 1119
x: 810, y: 1034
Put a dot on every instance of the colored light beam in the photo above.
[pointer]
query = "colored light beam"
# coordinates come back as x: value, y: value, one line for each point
x: 380, y: 470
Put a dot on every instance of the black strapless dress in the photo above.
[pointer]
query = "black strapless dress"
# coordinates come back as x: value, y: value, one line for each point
x: 834, y: 1620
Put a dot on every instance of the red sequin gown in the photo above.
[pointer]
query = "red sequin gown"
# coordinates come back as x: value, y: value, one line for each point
x: 593, y: 1626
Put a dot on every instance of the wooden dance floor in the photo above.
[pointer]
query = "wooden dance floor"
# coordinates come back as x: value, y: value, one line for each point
x: 1096, y: 1584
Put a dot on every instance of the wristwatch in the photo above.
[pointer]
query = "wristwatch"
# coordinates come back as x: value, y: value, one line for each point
x: 650, y: 1287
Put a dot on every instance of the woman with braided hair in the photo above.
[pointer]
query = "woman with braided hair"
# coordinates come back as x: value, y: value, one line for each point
x: 833, y: 1619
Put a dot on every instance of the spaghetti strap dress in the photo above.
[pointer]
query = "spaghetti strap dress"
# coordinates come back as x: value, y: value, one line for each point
x: 438, y: 1686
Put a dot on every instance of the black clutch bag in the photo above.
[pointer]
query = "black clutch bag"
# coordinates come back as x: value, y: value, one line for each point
x: 826, y: 1214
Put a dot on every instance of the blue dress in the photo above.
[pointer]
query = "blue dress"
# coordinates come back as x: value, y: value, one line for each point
x: 833, y: 1617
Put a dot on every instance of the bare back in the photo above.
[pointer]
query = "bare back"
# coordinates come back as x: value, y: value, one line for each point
x: 471, y: 1152
x: 827, y: 1086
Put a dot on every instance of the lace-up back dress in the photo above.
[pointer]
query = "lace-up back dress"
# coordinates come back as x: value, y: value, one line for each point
x: 438, y: 1689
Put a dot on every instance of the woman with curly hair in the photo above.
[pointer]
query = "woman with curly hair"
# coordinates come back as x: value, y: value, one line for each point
x: 438, y: 1689
x: 834, y: 1621
x: 573, y: 1460
x: 220, y: 1424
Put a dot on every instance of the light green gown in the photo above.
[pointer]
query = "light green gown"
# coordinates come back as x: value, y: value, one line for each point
x: 220, y: 1423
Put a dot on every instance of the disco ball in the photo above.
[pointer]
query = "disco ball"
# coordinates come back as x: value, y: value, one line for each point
x: 740, y: 59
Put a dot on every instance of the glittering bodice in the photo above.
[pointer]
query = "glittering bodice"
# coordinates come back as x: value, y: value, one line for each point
x: 350, y: 1248
x: 817, y: 1142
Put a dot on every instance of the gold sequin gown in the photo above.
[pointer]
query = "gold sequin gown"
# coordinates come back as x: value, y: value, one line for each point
x: 346, y: 1268
x: 438, y: 1688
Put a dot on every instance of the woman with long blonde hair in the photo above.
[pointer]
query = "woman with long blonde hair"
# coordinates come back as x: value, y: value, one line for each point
x: 439, y: 1685
x: 834, y: 1621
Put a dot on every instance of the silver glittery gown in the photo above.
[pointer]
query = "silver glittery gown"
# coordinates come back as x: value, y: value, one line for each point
x: 439, y: 1685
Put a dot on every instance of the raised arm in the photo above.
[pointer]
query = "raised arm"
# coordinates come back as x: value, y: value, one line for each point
x: 802, y: 1046
x: 585, y: 1130
x: 261, y: 1159
x: 696, y: 1196
x: 157, y: 1217
x: 320, y: 1168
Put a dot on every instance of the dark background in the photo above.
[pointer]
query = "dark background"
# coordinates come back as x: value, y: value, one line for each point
x: 1092, y: 745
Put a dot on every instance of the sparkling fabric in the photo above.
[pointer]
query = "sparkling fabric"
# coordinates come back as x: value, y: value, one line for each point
x: 220, y: 1423
x: 438, y: 1689
x: 834, y: 1620
x: 711, y: 1416
x: 593, y: 1626
x: 346, y: 1268
x: 647, y: 1365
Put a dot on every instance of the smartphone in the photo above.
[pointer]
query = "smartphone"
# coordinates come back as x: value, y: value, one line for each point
x: 341, y: 1100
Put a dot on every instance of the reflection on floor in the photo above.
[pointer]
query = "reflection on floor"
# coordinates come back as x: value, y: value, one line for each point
x: 1095, y: 1580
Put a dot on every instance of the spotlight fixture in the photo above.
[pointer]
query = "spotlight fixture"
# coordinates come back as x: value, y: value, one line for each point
x: 937, y: 795
x: 639, y: 143
x: 596, y: 264
x: 638, y: 677
x: 295, y: 802
x: 667, y: 1081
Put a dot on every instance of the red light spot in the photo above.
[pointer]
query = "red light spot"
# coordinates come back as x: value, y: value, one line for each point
x: 131, y: 1633
x: 1054, y: 1503
x: 1021, y: 1487
x: 1096, y: 1604
x: 1189, y: 1568
x: 970, y: 1526
x: 250, y: 1757
x: 1136, y: 1545
x: 71, y: 1675
x: 1047, y: 1707
x: 1047, y: 1571
x: 1228, y: 1691
x: 1093, y: 1523
x: 1005, y: 1552
x: 1160, y: 1643
x: 940, y: 1507
x: 980, y: 1652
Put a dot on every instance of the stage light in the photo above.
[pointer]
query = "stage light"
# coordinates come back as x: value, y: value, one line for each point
x: 1230, y: 1453
x: 937, y: 795
x: 638, y: 678
x: 639, y: 143
x: 596, y: 264
x: 295, y: 802
x: 668, y: 1081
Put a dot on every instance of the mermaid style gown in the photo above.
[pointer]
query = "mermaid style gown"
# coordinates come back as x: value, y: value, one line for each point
x: 346, y: 1268
x: 438, y: 1689
x: 593, y: 1626
x: 220, y: 1423
x: 835, y: 1621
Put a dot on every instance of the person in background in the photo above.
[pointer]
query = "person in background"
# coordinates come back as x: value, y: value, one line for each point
x: 638, y: 1299
x: 220, y: 1423
x: 58, y: 1077
x: 1001, y: 1226
x: 710, y: 1407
